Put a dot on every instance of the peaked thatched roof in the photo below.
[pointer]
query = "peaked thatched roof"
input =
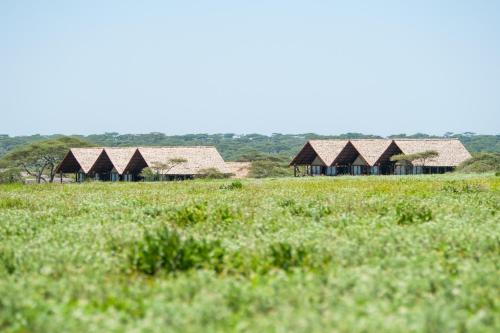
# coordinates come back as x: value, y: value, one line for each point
x: 371, y: 149
x: 197, y: 158
x: 451, y: 151
x: 375, y: 151
x: 120, y: 157
x: 326, y: 150
x: 79, y: 158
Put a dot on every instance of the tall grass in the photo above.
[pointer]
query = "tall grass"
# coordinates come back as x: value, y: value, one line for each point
x: 344, y: 254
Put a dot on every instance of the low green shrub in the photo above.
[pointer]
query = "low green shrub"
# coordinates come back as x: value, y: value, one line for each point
x: 225, y: 213
x: 408, y: 213
x: 285, y: 256
x: 164, y: 249
x: 8, y: 261
x: 190, y: 214
x: 11, y: 175
x: 461, y: 187
x: 314, y: 209
x: 235, y: 185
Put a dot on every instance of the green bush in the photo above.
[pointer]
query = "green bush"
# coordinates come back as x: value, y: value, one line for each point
x: 8, y: 261
x: 285, y: 256
x: 407, y: 213
x: 461, y: 187
x: 11, y: 175
x: 163, y: 249
x: 236, y: 185
x: 190, y: 214
x: 314, y: 209
x: 481, y: 162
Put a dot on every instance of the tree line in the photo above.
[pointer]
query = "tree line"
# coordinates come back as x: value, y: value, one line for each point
x: 37, y: 156
x: 233, y: 147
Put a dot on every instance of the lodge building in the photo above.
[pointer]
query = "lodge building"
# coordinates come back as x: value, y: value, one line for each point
x: 373, y: 157
x: 126, y: 163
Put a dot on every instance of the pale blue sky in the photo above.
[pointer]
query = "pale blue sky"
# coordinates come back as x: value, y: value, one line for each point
x: 329, y: 67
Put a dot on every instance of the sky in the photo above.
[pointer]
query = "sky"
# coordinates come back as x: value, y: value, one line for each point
x: 178, y: 67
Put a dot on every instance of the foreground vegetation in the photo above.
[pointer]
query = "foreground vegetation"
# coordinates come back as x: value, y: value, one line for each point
x: 343, y: 254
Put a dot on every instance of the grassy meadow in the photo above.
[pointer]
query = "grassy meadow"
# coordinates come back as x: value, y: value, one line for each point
x: 343, y: 254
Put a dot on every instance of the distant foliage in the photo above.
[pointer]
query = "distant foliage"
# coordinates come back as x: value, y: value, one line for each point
x: 11, y: 175
x: 40, y: 159
x: 420, y: 158
x: 481, y: 162
x: 233, y: 147
x: 212, y: 173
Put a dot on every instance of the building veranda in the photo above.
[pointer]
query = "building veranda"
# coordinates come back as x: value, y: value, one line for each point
x: 374, y: 157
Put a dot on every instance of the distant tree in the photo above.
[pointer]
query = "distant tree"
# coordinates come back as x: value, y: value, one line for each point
x: 147, y: 174
x: 163, y: 168
x: 269, y: 168
x: 39, y: 159
x: 412, y: 158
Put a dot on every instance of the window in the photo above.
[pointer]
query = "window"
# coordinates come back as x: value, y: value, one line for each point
x: 81, y: 177
x: 375, y: 170
x: 356, y: 169
x: 331, y: 171
x: 315, y: 169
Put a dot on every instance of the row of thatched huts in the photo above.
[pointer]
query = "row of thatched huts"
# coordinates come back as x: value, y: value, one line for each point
x: 317, y: 157
x: 126, y: 163
x: 373, y: 157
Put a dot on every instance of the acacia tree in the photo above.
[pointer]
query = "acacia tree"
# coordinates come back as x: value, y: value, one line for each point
x: 162, y: 168
x: 411, y: 158
x: 40, y: 159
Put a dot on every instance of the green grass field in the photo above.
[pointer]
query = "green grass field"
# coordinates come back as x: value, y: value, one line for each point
x: 346, y: 254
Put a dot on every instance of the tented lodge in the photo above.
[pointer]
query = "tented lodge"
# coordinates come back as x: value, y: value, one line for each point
x: 373, y: 157
x: 126, y: 163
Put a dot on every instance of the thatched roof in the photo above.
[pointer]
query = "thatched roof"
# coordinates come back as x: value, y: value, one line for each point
x: 376, y: 151
x: 371, y: 149
x: 120, y: 157
x: 326, y: 150
x: 451, y: 151
x: 79, y: 158
x: 197, y: 158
